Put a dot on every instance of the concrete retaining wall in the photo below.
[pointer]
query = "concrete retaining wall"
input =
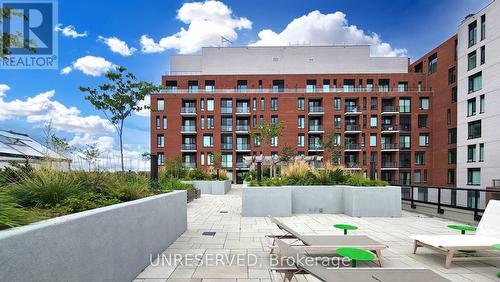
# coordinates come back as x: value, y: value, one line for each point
x: 354, y: 201
x: 214, y: 187
x: 112, y: 243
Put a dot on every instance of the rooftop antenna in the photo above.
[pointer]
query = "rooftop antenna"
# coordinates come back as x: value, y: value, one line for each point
x: 224, y: 40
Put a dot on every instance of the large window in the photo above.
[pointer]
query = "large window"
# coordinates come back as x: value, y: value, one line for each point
x: 404, y: 141
x: 337, y: 121
x: 433, y: 60
x: 471, y: 107
x: 475, y: 82
x: 274, y: 104
x: 373, y: 121
x: 337, y: 104
x: 158, y: 125
x: 471, y: 153
x: 404, y: 105
x: 161, y: 158
x: 420, y: 158
x: 474, y: 129
x: 373, y: 140
x: 452, y: 156
x: 423, y: 139
x: 210, y: 104
x: 301, y: 103
x: 208, y: 141
x: 472, y: 33
x: 300, y: 140
x: 452, y: 75
x: 301, y: 122
x: 424, y: 103
x: 210, y: 122
x: 454, y: 94
x: 452, y: 136
x: 451, y: 180
x: 472, y: 60
x: 473, y: 176
x: 160, y: 105
x: 160, y: 141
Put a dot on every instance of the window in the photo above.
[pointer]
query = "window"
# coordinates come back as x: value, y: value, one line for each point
x: 165, y: 123
x: 483, y: 55
x: 254, y: 121
x: 210, y: 122
x: 448, y: 116
x: 475, y: 82
x: 451, y: 180
x: 161, y: 158
x: 404, y: 105
x: 419, y: 67
x: 301, y: 104
x: 160, y: 105
x: 210, y: 158
x: 373, y: 121
x: 274, y: 104
x: 481, y: 104
x: 209, y: 85
x: 274, y: 119
x: 481, y: 152
x: 256, y: 140
x: 202, y: 122
x: 471, y: 107
x: 274, y: 142
x: 278, y: 85
x: 326, y: 85
x: 452, y: 136
x: 311, y: 85
x: 474, y: 176
x: 337, y: 104
x: 383, y: 85
x: 227, y: 160
x: 301, y: 122
x: 471, y: 153
x: 369, y: 85
x: 300, y: 140
x: 452, y: 75
x: 472, y: 60
x: 474, y: 129
x: 160, y: 140
x: 337, y: 121
x: 417, y: 176
x: 472, y: 33
x: 210, y: 104
x: 483, y: 27
x: 262, y: 104
x: 192, y: 86
x: 423, y: 139
x: 423, y: 121
x: 373, y: 140
x: 202, y: 104
x: 202, y: 158
x: 404, y: 142
x: 454, y: 94
x: 433, y: 60
x: 420, y: 158
x: 452, y: 156
x: 254, y: 104
x: 402, y: 86
x: 241, y: 85
x: 208, y: 141
x: 424, y: 103
x: 373, y: 103
x: 158, y: 125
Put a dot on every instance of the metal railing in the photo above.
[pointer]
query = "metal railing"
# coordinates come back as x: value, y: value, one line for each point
x: 316, y: 128
x: 389, y: 109
x: 352, y: 165
x: 188, y: 128
x: 242, y: 165
x: 226, y: 110
x: 242, y: 127
x: 316, y: 109
x: 389, y: 127
x: 404, y: 164
x: 352, y: 109
x: 188, y: 110
x: 351, y: 127
x: 188, y: 146
x: 390, y: 165
x: 315, y: 147
x: 294, y: 90
x: 450, y: 197
x: 352, y: 146
x: 242, y: 146
x: 389, y: 146
x: 242, y: 110
x: 405, y: 127
x: 226, y: 128
x: 226, y: 146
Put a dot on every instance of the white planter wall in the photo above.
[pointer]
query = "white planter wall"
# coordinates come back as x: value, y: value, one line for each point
x: 214, y: 187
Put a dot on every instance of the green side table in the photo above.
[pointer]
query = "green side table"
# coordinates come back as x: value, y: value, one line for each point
x: 462, y: 228
x: 497, y: 246
x: 345, y: 227
x: 355, y: 254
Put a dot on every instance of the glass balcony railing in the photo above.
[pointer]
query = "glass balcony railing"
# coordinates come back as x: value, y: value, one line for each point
x: 243, y: 110
x: 315, y: 147
x: 226, y: 146
x: 316, y: 128
x: 242, y: 127
x: 242, y: 146
x: 310, y: 89
x: 389, y: 146
x: 390, y: 165
x: 352, y: 165
x: 352, y: 109
x: 404, y: 164
x: 389, y: 127
x: 188, y: 128
x: 188, y: 110
x: 315, y: 109
x: 351, y: 127
x: 226, y: 110
x: 352, y: 146
x: 389, y: 109
x: 188, y: 146
x: 226, y: 128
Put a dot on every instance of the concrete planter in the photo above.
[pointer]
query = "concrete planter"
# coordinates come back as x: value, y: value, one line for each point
x: 372, y: 201
x: 112, y: 243
x: 264, y: 201
x: 214, y: 187
x: 354, y: 201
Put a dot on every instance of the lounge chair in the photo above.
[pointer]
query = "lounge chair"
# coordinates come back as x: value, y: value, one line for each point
x: 326, y: 243
x: 487, y: 234
x: 299, y: 266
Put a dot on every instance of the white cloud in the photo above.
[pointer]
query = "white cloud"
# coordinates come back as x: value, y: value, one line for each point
x: 207, y: 21
x: 3, y: 88
x: 143, y: 103
x: 117, y: 46
x: 90, y: 65
x: 69, y: 31
x: 316, y: 28
x: 43, y: 108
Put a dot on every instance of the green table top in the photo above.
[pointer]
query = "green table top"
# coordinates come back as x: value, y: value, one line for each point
x: 356, y: 254
x: 345, y: 226
x: 462, y: 227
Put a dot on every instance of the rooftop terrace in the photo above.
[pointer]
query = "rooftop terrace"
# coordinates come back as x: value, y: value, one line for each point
x: 235, y: 235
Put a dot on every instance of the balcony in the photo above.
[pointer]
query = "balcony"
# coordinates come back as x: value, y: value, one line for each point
x: 226, y: 146
x: 390, y: 110
x: 389, y: 147
x: 188, y: 129
x: 316, y: 147
x: 226, y: 110
x: 316, y: 129
x: 404, y: 164
x: 389, y: 128
x: 352, y: 147
x: 316, y: 110
x: 352, y: 110
x: 244, y: 110
x: 189, y: 164
x: 242, y: 166
x: 188, y: 147
x: 242, y: 147
x: 352, y: 128
x: 352, y: 165
x: 389, y: 165
x: 226, y: 128
x: 188, y: 111
x: 405, y: 127
x: 242, y: 128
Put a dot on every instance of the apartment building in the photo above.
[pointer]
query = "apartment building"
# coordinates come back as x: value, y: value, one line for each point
x: 478, y: 138
x: 379, y: 109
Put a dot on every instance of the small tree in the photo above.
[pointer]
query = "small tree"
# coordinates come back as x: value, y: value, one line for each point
x: 266, y: 132
x: 91, y: 153
x: 332, y: 147
x: 217, y: 162
x: 119, y: 98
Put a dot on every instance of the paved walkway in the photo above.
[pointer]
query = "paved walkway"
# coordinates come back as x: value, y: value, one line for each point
x: 242, y: 238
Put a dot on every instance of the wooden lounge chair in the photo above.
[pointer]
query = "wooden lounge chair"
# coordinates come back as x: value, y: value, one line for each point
x: 323, y: 244
x: 487, y: 234
x: 300, y: 266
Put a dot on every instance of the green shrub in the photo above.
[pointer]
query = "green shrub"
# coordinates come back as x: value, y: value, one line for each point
x: 171, y: 184
x: 12, y: 215
x: 14, y: 173
x: 83, y: 202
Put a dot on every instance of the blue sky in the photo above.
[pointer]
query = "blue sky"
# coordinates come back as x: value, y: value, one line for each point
x: 410, y: 27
